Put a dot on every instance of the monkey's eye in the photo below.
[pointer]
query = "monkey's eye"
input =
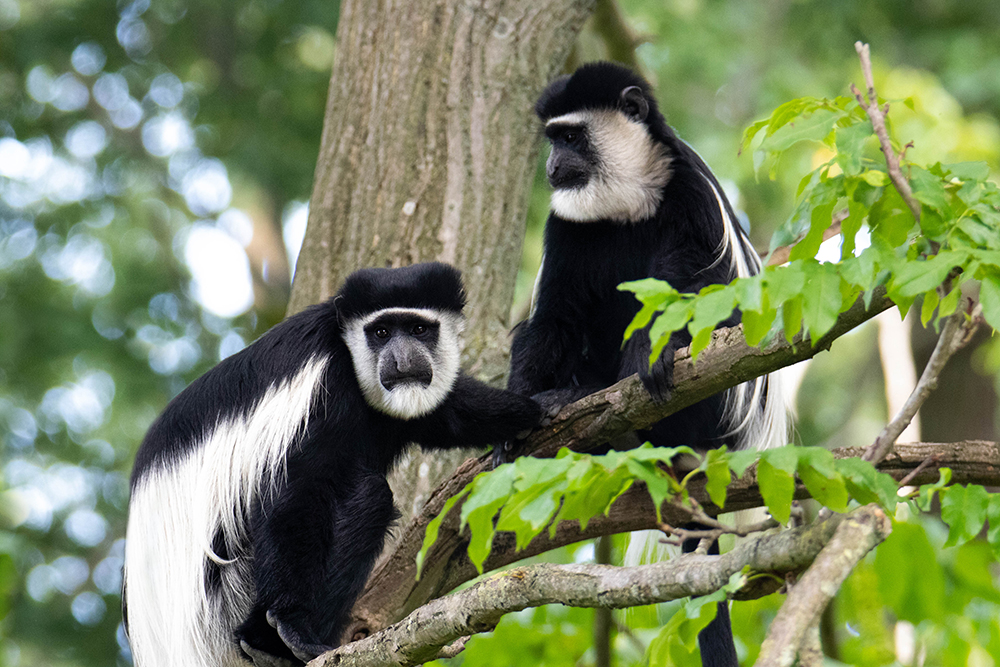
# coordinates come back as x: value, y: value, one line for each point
x: 382, y: 332
x: 419, y: 329
x: 571, y: 137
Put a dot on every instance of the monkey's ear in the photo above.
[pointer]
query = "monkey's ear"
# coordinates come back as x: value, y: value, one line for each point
x: 634, y: 103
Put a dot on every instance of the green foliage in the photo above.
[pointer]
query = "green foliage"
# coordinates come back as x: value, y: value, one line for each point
x: 677, y: 643
x: 957, y: 235
x: 531, y: 494
x: 966, y: 510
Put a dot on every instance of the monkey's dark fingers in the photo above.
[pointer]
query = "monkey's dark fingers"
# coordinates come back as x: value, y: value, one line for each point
x: 502, y: 453
x: 261, y: 659
x: 300, y: 648
x: 659, y: 380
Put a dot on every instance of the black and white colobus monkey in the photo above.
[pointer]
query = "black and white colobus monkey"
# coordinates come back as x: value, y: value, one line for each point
x: 259, y: 500
x: 631, y: 201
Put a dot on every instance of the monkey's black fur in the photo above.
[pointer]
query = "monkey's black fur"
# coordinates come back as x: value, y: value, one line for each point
x: 572, y: 343
x: 313, y: 543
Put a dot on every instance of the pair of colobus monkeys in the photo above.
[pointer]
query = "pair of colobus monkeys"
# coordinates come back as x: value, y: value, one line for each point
x: 259, y: 497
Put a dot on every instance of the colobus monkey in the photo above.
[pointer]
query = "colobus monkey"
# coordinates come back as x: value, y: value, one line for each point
x: 632, y: 201
x: 259, y: 499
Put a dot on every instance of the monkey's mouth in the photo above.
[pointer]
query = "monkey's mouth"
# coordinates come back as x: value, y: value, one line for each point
x: 419, y: 378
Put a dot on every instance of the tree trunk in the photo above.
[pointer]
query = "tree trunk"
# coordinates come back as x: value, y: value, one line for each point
x: 428, y: 152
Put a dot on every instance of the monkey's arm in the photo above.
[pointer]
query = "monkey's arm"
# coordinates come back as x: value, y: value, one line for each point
x: 658, y: 377
x: 475, y: 415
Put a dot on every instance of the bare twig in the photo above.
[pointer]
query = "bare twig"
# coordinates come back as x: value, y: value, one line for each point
x: 715, y: 528
x: 855, y: 537
x: 957, y: 332
x: 929, y: 461
x: 877, y: 116
x: 420, y: 636
x: 453, y: 649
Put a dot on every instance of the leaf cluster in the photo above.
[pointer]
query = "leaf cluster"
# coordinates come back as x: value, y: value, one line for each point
x: 956, y: 238
x: 531, y: 495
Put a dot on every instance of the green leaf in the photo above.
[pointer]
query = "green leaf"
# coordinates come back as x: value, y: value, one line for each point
x: 928, y: 189
x: 989, y: 298
x: 890, y: 218
x: 867, y: 485
x: 820, y: 219
x: 850, y: 143
x: 717, y: 471
x: 821, y: 302
x: 926, y: 494
x: 751, y: 132
x: 993, y: 515
x: 672, y: 319
x: 699, y: 341
x: 850, y: 226
x: 777, y: 487
x: 431, y: 534
x: 791, y: 318
x: 712, y: 308
x: 916, y: 277
x: 927, y: 307
x: 816, y: 127
x: 968, y: 171
x: 677, y: 643
x: 750, y: 292
x: 756, y: 325
x: 875, y: 178
x: 819, y: 473
x: 784, y: 282
x: 740, y: 461
x: 963, y: 508
x: 910, y: 579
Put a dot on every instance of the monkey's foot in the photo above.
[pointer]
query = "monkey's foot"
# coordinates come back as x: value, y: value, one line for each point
x: 300, y: 648
x: 262, y: 659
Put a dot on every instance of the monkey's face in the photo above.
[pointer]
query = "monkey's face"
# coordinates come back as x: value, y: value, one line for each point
x: 405, y: 360
x: 605, y: 164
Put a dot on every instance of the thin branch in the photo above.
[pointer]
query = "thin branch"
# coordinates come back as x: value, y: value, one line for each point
x: 877, y: 116
x: 619, y: 38
x: 855, y: 537
x: 421, y: 635
x: 926, y: 463
x: 715, y: 528
x: 957, y: 332
x: 453, y: 649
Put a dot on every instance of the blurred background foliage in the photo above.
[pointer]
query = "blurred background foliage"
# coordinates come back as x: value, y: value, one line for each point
x: 156, y: 160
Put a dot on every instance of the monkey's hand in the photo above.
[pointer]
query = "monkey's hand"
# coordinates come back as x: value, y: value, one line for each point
x: 551, y: 402
x: 659, y: 379
x: 300, y: 648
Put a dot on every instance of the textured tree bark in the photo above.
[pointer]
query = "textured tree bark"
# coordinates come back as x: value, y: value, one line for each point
x: 428, y: 152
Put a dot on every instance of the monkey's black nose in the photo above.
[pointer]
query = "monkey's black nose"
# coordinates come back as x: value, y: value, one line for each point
x: 402, y: 368
x: 564, y: 173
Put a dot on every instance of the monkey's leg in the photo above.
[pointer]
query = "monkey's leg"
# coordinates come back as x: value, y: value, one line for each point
x: 716, y: 639
x: 314, y: 552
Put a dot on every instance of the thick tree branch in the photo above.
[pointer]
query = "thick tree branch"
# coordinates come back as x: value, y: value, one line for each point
x: 861, y: 532
x: 421, y: 635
